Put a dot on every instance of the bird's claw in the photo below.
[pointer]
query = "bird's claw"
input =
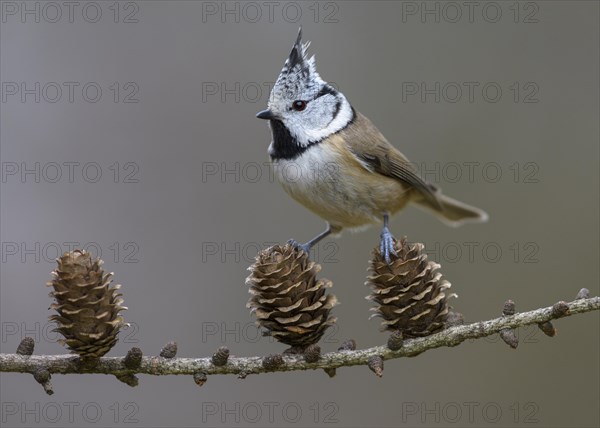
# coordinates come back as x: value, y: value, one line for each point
x: 298, y: 246
x: 386, y: 245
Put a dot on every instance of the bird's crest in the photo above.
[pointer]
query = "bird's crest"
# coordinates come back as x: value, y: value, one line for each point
x: 298, y: 78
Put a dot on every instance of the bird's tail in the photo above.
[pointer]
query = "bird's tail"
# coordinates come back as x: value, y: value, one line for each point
x: 453, y: 212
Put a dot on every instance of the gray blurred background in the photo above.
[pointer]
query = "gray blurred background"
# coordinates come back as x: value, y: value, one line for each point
x: 185, y: 199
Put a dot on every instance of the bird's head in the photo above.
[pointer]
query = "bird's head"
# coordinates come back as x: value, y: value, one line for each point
x: 304, y: 104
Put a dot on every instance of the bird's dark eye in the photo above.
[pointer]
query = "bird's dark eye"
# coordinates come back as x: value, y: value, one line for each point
x: 299, y: 105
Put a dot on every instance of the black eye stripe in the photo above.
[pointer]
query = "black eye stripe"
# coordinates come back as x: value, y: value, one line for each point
x: 338, y: 106
x: 326, y: 89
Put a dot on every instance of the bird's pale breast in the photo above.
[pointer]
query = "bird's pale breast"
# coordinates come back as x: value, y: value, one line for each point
x: 330, y: 181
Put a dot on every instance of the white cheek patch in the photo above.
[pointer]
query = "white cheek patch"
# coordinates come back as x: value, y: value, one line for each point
x: 307, y: 136
x: 343, y: 117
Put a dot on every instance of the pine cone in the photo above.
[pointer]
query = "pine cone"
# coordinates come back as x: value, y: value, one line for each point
x: 411, y: 293
x: 288, y: 300
x: 88, y: 307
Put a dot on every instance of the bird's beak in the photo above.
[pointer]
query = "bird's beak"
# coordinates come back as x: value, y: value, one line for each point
x: 266, y: 114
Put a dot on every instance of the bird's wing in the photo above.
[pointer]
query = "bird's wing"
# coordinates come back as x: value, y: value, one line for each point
x: 377, y: 155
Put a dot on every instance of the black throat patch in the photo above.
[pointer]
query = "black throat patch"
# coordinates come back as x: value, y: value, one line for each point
x: 285, y: 146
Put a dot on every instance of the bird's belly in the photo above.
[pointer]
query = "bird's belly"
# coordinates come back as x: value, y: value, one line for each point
x: 347, y: 197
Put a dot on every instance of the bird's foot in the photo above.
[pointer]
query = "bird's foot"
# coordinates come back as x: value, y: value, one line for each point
x: 298, y: 246
x: 386, y: 245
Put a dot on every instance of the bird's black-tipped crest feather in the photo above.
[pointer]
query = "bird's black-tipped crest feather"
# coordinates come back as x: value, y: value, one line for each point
x: 298, y: 52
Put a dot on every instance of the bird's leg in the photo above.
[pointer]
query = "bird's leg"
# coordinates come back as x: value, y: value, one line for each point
x: 306, y: 247
x: 386, y: 245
